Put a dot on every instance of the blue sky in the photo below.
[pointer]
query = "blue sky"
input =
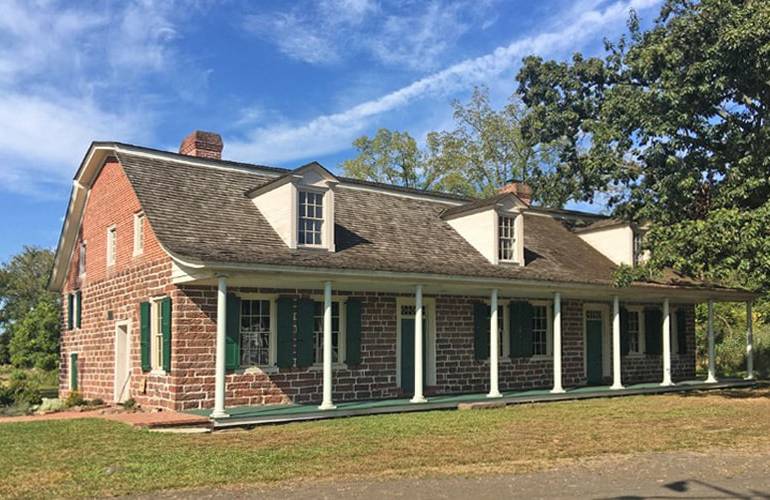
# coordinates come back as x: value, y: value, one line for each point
x: 283, y: 82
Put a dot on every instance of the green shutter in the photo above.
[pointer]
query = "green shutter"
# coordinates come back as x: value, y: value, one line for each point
x: 70, y: 311
x: 681, y: 331
x: 233, y: 332
x: 480, y: 331
x: 79, y: 308
x: 144, y: 337
x: 521, y: 329
x: 305, y: 332
x: 625, y: 341
x: 74, y: 371
x: 653, y: 331
x: 353, y: 332
x: 165, y: 328
x: 284, y: 313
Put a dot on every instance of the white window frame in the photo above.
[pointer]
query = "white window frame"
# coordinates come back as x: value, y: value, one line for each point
x: 69, y: 369
x: 343, y: 333
x: 322, y: 194
x: 271, y: 366
x: 512, y: 218
x: 82, y: 259
x: 139, y: 223
x: 429, y: 308
x: 504, y: 349
x: 156, y: 337
x: 549, y: 329
x: 112, y: 244
x: 77, y: 309
x: 639, y: 310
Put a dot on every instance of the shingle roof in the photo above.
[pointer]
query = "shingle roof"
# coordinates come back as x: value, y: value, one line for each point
x: 202, y: 213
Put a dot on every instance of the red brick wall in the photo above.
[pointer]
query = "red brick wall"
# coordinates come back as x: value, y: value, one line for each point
x: 116, y: 290
x: 456, y: 368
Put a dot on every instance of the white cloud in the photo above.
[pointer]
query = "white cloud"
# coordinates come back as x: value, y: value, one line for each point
x: 409, y: 34
x: 335, y: 132
x: 68, y: 75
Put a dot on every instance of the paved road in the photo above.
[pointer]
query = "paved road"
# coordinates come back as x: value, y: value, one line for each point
x: 661, y: 475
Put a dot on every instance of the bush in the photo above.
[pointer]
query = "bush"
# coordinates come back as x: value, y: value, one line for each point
x: 74, y: 399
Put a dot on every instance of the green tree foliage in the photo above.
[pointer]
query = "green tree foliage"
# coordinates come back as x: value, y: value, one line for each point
x: 484, y: 151
x: 28, y: 308
x: 673, y: 124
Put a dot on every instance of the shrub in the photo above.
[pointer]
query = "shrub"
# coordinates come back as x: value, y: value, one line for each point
x: 74, y: 399
x: 24, y: 388
x: 129, y: 404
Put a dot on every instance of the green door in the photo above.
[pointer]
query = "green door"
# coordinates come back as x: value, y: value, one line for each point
x: 594, y: 347
x: 407, y: 354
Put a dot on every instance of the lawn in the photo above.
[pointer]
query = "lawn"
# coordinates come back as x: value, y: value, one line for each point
x: 96, y: 457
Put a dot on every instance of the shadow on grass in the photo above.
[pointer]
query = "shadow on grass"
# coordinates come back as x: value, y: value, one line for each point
x: 761, y: 390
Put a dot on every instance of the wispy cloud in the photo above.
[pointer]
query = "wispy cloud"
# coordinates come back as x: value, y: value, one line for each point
x: 69, y: 75
x: 332, y: 133
x: 411, y: 34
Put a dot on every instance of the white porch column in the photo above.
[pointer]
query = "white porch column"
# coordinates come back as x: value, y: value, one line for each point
x: 749, y: 343
x: 494, y: 347
x: 616, y: 375
x: 219, y: 379
x: 327, y: 403
x: 666, y: 343
x: 557, y: 388
x: 712, y: 376
x: 418, y: 396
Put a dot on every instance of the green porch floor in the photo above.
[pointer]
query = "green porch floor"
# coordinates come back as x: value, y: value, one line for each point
x: 253, y: 415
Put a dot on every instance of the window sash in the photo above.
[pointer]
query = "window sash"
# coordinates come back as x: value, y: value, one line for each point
x: 138, y: 233
x: 540, y: 330
x: 112, y: 234
x: 156, y: 336
x: 82, y: 259
x: 506, y: 238
x: 318, y: 332
x: 634, y: 332
x: 256, y: 332
x: 311, y: 218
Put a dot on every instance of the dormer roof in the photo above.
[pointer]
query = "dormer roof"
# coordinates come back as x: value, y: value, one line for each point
x: 294, y: 175
x: 472, y: 206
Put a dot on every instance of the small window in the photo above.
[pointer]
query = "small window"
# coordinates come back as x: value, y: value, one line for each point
x: 506, y: 238
x: 634, y: 331
x: 539, y: 330
x: 138, y: 234
x: 256, y: 333
x: 318, y: 332
x: 112, y: 236
x: 156, y: 333
x: 310, y: 218
x: 82, y: 259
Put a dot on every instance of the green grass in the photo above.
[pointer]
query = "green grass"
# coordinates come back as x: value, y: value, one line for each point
x: 96, y: 457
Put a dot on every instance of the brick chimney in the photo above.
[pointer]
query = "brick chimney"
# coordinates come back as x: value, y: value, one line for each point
x: 519, y: 188
x: 202, y: 144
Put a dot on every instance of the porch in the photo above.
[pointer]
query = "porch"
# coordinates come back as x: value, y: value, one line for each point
x: 281, y: 413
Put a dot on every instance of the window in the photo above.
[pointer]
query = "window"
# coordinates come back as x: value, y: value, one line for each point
x: 502, y: 330
x: 156, y: 335
x: 82, y: 259
x: 256, y: 333
x: 539, y: 330
x: 138, y: 234
x: 506, y: 238
x: 637, y: 247
x: 318, y: 332
x: 310, y: 218
x: 112, y: 236
x: 634, y: 332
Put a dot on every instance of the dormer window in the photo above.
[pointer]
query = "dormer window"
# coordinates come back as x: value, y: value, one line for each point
x: 506, y: 240
x: 311, y: 218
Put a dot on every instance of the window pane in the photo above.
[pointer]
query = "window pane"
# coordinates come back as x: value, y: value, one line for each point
x: 505, y: 238
x: 539, y: 330
x: 255, y: 332
x: 318, y: 331
x: 310, y: 218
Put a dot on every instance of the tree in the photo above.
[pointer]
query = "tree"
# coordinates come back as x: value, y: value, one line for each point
x: 35, y: 341
x: 24, y: 294
x: 484, y: 151
x: 672, y: 123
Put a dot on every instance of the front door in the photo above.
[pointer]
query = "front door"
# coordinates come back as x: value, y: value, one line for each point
x: 594, y: 330
x: 122, y: 363
x: 407, y: 354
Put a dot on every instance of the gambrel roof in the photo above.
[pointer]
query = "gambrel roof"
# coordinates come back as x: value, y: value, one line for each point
x: 201, y: 213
